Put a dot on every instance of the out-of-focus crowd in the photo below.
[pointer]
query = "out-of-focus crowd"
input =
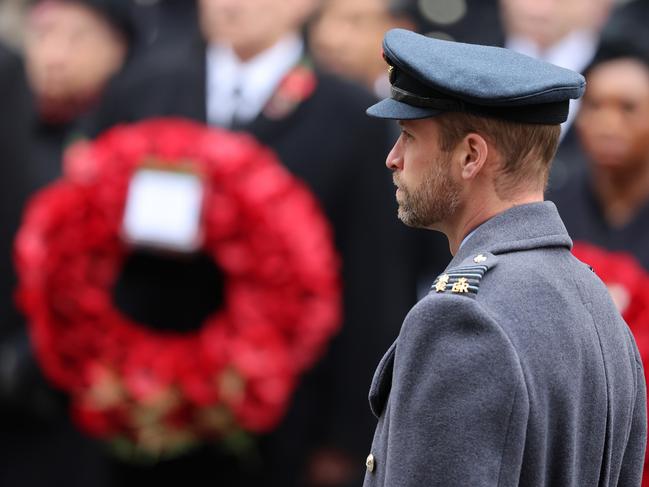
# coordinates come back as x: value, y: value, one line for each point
x: 71, y: 69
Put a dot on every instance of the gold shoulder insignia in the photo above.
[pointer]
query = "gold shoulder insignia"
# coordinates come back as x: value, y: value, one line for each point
x: 465, y: 279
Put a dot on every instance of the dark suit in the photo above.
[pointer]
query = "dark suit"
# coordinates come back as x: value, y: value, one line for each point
x: 14, y: 158
x: 329, y: 143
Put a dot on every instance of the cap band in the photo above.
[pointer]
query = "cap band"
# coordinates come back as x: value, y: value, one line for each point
x: 544, y: 113
x: 444, y: 104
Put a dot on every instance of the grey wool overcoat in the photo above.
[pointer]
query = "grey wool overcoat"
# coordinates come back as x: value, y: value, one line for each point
x: 516, y: 369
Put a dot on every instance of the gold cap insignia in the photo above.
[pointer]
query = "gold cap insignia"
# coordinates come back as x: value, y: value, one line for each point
x: 391, y: 73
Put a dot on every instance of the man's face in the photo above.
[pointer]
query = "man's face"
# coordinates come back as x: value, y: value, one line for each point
x: 251, y: 25
x: 613, y: 122
x: 70, y: 51
x: 347, y: 37
x: 548, y: 21
x: 427, y: 193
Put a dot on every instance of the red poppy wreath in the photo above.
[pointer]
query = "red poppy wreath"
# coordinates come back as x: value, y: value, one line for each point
x: 161, y: 392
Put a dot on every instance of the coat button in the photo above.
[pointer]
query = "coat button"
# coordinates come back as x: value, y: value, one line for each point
x: 370, y: 463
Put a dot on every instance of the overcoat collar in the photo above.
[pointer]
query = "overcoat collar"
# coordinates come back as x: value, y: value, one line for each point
x: 524, y: 227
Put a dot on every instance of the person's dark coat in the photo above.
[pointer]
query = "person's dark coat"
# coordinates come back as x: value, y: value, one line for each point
x: 584, y: 216
x: 38, y: 445
x: 14, y: 160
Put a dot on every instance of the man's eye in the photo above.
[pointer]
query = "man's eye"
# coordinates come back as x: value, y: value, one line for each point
x: 406, y: 135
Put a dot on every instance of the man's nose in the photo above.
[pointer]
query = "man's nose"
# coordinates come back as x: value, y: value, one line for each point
x: 394, y: 160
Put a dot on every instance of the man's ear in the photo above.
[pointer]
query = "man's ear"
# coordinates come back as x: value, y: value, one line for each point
x: 473, y: 155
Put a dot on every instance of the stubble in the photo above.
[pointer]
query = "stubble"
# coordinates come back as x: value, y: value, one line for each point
x: 434, y: 200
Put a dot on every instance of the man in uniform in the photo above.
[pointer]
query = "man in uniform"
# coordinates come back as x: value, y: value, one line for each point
x: 515, y: 369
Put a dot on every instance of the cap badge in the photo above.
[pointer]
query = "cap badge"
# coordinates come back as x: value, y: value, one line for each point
x: 391, y: 73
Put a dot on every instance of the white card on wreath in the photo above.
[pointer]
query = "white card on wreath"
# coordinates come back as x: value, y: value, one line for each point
x: 163, y: 210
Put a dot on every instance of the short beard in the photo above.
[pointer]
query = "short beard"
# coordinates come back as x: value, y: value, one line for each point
x: 432, y: 201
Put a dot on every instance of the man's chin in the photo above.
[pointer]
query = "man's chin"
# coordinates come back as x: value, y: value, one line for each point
x: 407, y: 218
x: 412, y: 220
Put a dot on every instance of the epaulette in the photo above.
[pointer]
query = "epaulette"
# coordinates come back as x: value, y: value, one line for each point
x: 465, y: 279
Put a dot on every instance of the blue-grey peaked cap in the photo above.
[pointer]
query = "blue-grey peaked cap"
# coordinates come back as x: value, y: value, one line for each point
x: 430, y: 76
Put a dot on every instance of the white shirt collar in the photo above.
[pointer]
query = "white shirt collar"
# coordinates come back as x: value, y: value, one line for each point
x: 575, y: 51
x: 240, y: 90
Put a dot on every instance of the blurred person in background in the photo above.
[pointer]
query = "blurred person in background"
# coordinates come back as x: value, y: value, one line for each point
x: 11, y: 22
x: 73, y: 49
x: 629, y: 21
x: 607, y: 203
x: 346, y: 39
x: 250, y: 71
x: 471, y: 21
x: 38, y: 446
x: 344, y: 35
x: 565, y: 33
